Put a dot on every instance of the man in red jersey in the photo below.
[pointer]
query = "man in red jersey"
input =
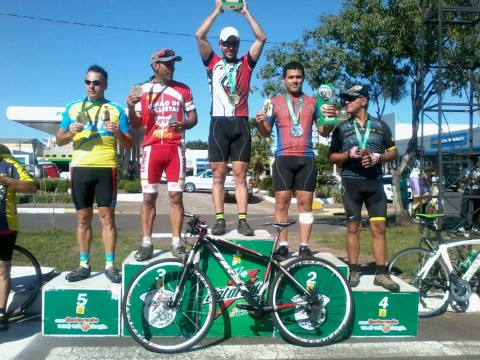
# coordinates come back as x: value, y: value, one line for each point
x: 293, y: 114
x: 229, y: 137
x: 165, y: 108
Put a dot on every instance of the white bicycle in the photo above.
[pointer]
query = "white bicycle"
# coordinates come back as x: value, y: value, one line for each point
x: 436, y: 272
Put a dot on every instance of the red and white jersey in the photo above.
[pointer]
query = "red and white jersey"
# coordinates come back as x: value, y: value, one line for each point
x: 220, y: 89
x: 158, y: 103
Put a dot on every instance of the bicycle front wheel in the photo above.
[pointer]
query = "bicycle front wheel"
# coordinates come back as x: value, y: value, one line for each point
x: 149, y: 315
x: 433, y: 287
x: 305, y: 320
x: 26, y: 277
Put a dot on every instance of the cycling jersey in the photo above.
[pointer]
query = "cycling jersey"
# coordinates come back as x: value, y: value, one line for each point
x: 287, y: 144
x: 380, y: 139
x: 94, y: 146
x: 158, y: 104
x: 219, y: 85
x: 8, y: 210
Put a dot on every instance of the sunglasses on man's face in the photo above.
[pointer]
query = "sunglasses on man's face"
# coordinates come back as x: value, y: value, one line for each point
x: 350, y: 98
x: 229, y: 43
x: 94, y: 82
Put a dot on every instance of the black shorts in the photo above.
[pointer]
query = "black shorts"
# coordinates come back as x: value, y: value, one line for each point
x: 6, y: 246
x: 93, y: 183
x: 357, y: 192
x: 229, y: 138
x: 294, y: 171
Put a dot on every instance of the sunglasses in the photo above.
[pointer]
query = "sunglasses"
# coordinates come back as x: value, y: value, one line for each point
x: 94, y: 82
x: 350, y: 98
x: 229, y: 43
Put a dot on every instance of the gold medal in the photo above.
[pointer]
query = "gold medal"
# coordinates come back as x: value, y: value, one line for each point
x: 233, y: 99
x: 136, y: 89
x: 82, y: 118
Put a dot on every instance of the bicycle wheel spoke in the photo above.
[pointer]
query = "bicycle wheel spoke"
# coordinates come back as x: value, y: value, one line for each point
x: 317, y: 319
x: 150, y: 316
x: 433, y: 286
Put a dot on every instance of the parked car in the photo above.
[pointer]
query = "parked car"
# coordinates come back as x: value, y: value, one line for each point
x: 387, y: 188
x: 204, y: 181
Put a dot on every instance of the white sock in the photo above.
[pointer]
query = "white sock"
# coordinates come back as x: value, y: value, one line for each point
x: 283, y: 243
x: 147, y: 240
x: 176, y: 241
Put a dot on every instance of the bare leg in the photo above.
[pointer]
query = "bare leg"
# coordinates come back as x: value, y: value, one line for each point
x: 353, y: 241
x: 84, y: 229
x: 148, y: 213
x: 219, y: 170
x: 5, y: 282
x: 239, y: 169
x: 109, y: 229
x: 282, y: 204
x: 379, y: 245
x: 176, y: 212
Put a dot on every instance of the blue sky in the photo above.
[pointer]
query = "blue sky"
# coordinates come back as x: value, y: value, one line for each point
x: 43, y: 63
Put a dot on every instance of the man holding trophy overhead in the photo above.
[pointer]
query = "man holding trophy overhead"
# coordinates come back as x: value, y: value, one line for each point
x: 229, y: 136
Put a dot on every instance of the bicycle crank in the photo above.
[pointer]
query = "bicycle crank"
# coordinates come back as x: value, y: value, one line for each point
x: 460, y: 290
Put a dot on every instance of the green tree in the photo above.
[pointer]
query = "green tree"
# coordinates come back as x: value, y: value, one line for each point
x: 321, y: 159
x: 379, y: 44
x: 260, y: 154
x: 197, y: 145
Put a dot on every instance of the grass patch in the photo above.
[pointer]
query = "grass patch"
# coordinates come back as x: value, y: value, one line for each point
x: 58, y: 248
x: 398, y: 238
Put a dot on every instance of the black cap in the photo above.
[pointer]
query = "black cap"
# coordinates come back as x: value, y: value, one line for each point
x: 357, y: 91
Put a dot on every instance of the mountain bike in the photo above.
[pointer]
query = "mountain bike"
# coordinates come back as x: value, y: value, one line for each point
x: 170, y: 305
x: 26, y: 277
x: 435, y: 271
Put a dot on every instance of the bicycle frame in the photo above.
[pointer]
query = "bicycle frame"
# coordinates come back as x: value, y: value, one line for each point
x: 212, y: 244
x: 441, y: 251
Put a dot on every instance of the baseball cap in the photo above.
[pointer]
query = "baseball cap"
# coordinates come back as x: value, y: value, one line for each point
x: 164, y: 55
x: 229, y: 32
x: 357, y: 91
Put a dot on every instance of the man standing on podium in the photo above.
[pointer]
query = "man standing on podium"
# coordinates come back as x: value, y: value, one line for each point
x: 229, y: 137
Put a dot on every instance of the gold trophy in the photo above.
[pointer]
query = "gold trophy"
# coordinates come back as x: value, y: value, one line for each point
x: 232, y: 4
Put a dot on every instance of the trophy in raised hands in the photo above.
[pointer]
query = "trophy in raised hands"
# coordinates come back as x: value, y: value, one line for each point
x: 232, y: 4
x: 325, y: 97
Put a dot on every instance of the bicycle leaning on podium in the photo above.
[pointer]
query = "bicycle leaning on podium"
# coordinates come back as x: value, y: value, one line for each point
x: 169, y: 306
x: 440, y: 280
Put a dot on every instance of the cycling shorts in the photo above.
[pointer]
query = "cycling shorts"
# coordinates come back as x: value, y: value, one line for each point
x: 357, y: 192
x: 294, y: 171
x: 89, y: 183
x: 229, y: 138
x: 159, y: 158
x: 7, y: 241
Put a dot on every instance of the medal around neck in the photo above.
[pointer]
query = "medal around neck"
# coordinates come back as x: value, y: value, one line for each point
x: 233, y: 99
x: 268, y: 107
x: 136, y: 90
x: 82, y: 118
x: 296, y: 131
x: 232, y: 4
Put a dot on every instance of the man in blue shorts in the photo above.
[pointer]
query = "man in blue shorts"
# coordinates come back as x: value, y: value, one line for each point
x: 229, y: 138
x: 94, y: 124
x: 361, y: 144
x: 293, y: 114
x: 12, y: 178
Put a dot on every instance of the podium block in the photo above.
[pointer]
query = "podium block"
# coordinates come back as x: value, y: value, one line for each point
x: 381, y: 313
x: 90, y: 307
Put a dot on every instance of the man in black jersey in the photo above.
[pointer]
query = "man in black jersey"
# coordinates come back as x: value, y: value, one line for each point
x: 361, y: 144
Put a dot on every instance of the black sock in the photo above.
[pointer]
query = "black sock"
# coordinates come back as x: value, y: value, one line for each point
x: 381, y: 269
x: 353, y: 268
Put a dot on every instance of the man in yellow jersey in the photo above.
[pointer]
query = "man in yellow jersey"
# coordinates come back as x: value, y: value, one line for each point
x: 12, y: 178
x: 94, y: 124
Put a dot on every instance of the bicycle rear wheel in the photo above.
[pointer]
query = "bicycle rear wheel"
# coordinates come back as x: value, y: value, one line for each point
x: 26, y: 277
x: 306, y: 322
x: 149, y: 316
x: 433, y: 287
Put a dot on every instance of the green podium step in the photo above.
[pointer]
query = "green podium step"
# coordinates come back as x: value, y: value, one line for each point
x: 85, y: 308
x: 381, y: 313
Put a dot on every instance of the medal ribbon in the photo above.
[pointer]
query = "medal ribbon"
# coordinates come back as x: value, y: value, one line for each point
x: 362, y: 143
x: 91, y: 106
x: 231, y: 75
x: 292, y: 111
